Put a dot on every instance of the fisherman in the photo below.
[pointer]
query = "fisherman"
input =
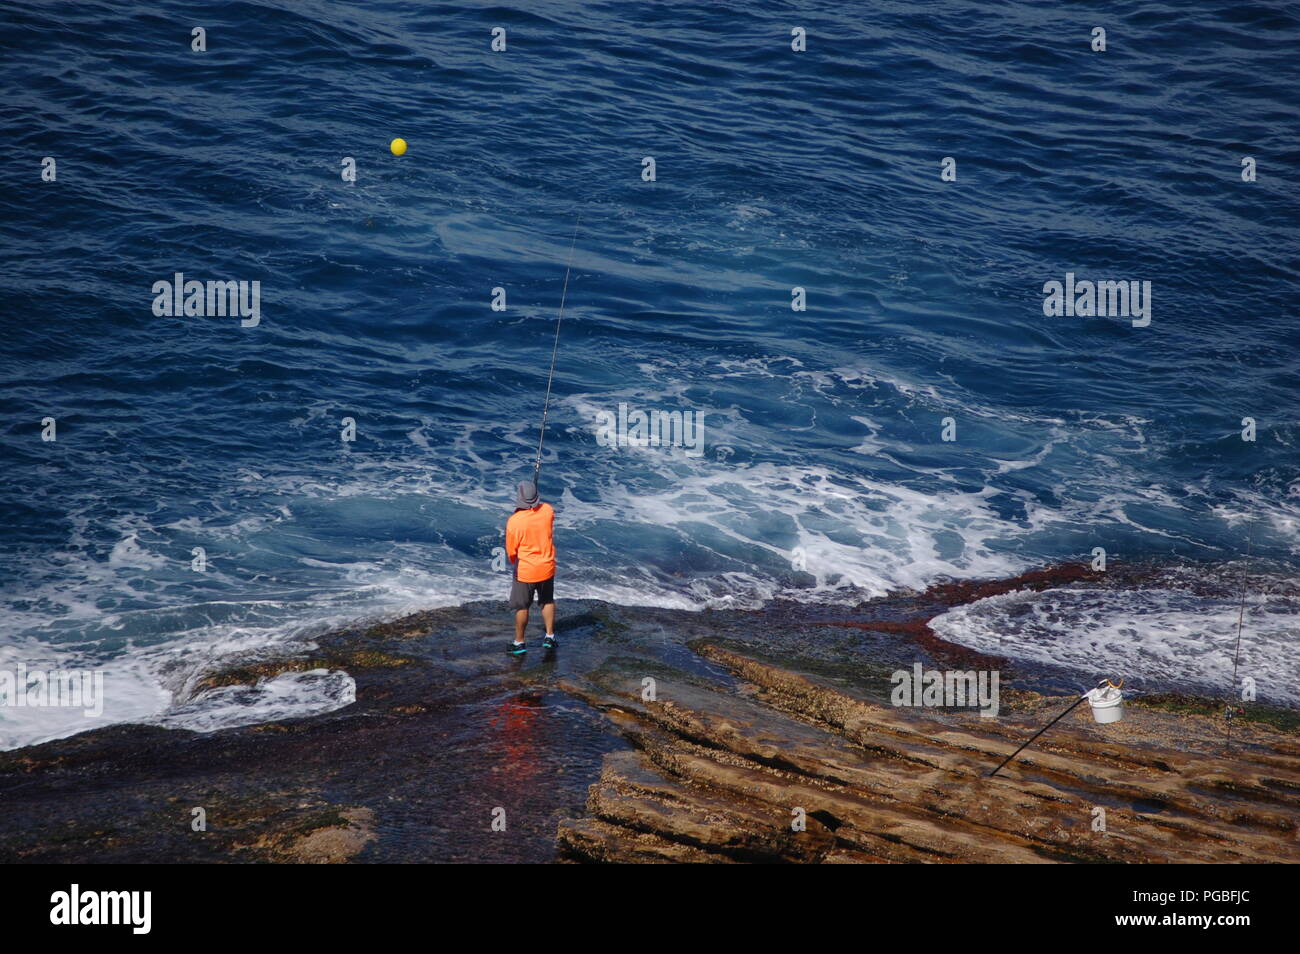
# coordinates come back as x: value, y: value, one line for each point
x: 530, y: 547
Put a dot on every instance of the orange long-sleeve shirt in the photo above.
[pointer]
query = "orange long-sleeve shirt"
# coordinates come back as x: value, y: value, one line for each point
x: 529, y: 540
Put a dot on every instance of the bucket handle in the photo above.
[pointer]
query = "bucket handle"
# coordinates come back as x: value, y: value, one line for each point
x: 1103, y: 685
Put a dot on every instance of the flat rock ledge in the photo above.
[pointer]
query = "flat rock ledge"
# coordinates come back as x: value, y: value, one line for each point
x: 727, y: 773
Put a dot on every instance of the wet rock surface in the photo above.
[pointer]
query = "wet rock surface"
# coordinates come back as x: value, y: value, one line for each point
x: 663, y: 735
x: 789, y: 769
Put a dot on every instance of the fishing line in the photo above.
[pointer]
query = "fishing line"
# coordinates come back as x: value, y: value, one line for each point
x: 555, y: 349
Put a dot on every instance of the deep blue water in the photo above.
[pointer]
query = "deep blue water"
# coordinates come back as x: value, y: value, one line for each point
x: 824, y: 475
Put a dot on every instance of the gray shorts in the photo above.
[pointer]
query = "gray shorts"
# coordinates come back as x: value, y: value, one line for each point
x: 521, y: 594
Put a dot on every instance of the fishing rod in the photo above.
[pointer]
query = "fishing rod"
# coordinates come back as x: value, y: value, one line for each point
x: 1101, y: 702
x: 1241, y: 618
x: 555, y: 349
x: 1241, y: 614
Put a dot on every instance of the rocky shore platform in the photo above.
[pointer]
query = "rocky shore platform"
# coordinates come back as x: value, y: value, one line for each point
x: 659, y: 735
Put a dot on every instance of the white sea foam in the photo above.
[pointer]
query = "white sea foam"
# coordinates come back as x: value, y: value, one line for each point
x: 288, y: 695
x: 1162, y: 635
x: 131, y: 694
x: 726, y: 530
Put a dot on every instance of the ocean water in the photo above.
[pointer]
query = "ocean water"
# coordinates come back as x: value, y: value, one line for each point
x: 823, y: 473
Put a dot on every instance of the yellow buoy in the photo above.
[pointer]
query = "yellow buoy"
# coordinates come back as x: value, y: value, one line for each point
x: 398, y: 146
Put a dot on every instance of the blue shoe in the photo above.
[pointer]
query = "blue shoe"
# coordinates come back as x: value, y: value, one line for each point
x: 517, y: 649
x: 548, y: 642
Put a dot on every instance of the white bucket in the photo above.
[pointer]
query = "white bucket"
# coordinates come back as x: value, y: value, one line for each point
x: 1107, y: 703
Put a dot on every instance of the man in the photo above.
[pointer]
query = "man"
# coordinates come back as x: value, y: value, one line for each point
x: 530, y: 547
